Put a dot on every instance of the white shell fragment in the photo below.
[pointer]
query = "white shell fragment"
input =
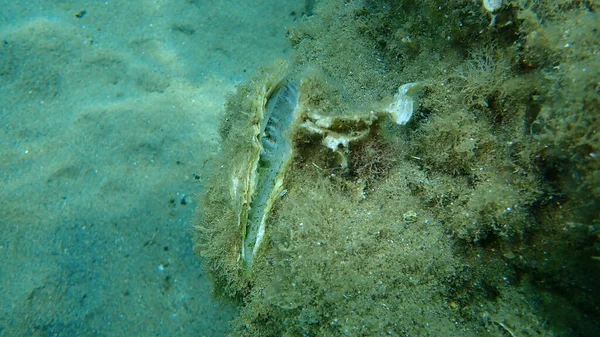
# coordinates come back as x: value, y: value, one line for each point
x: 336, y: 139
x: 492, y: 5
x: 402, y: 108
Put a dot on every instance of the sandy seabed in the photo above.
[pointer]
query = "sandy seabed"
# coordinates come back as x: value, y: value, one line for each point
x: 108, y: 111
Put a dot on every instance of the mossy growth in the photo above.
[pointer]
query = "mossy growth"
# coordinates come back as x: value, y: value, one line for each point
x: 479, y: 217
x: 535, y: 102
x: 348, y: 55
x: 454, y: 143
x: 337, y: 267
x: 373, y: 159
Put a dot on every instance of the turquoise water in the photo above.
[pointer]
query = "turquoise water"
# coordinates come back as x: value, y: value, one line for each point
x: 108, y: 112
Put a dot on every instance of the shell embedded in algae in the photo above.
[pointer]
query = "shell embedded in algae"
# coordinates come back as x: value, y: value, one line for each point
x: 258, y: 149
x: 265, y: 170
x: 248, y: 176
x: 265, y: 121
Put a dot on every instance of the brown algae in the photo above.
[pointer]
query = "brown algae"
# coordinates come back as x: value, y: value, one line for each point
x: 479, y: 216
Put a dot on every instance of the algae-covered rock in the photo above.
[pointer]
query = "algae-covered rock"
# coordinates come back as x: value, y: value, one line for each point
x: 475, y: 217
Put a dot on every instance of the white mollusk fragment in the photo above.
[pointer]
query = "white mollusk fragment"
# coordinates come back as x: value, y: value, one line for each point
x: 492, y: 5
x: 401, y: 109
x: 335, y: 141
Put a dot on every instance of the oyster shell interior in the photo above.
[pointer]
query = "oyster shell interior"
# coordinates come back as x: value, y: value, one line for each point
x: 275, y: 152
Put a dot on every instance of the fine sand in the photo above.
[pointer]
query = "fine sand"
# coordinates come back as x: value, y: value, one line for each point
x: 108, y: 113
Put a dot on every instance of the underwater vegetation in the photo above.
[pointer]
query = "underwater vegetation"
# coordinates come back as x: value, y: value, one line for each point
x: 479, y: 217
